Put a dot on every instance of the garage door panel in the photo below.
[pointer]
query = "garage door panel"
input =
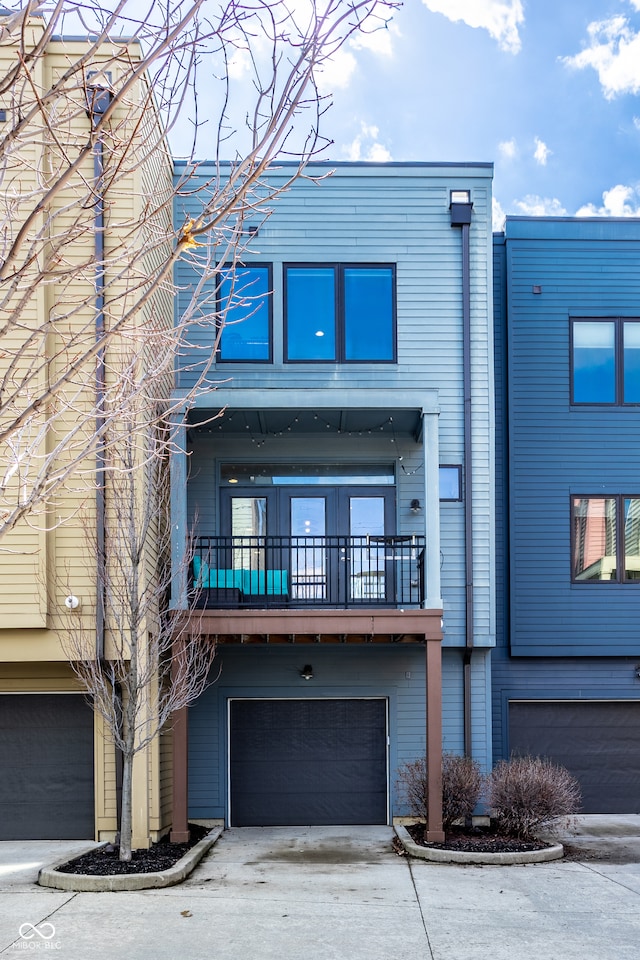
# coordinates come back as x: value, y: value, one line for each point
x: 598, y: 742
x: 308, y: 762
x: 321, y: 809
x: 295, y: 745
x: 46, y: 756
x: 312, y: 775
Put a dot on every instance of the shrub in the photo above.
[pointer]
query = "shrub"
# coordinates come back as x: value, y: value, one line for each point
x: 461, y: 787
x: 462, y: 784
x: 526, y: 793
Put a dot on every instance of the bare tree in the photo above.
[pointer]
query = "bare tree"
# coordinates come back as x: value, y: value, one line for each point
x: 152, y: 666
x: 88, y: 246
x: 80, y: 272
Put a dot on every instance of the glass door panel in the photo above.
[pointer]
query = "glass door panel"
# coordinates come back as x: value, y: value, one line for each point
x: 367, y: 580
x: 249, y: 529
x: 308, y: 517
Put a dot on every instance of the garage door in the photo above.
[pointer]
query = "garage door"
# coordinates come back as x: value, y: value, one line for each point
x: 599, y: 742
x: 46, y: 759
x: 308, y: 762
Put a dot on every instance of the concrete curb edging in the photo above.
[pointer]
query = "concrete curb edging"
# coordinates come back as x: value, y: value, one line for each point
x: 554, y: 852
x: 79, y: 883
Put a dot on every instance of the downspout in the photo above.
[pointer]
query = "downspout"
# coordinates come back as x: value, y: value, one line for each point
x: 461, y: 209
x: 99, y: 98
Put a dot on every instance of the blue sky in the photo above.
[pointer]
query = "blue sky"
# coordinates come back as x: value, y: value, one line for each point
x: 549, y: 90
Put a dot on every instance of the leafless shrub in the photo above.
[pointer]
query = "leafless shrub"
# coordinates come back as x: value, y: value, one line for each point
x: 461, y: 787
x: 462, y: 784
x: 526, y: 793
x: 412, y: 787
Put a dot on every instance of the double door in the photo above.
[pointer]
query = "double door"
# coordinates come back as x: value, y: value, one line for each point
x: 327, y: 544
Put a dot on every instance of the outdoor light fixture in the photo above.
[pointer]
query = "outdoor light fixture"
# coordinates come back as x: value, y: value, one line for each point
x: 415, y: 506
x: 307, y: 672
x: 460, y: 206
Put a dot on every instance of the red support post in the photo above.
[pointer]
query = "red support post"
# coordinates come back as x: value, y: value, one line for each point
x: 180, y: 820
x: 434, y: 832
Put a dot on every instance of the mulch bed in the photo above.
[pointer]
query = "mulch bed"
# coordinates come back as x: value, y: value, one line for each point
x: 476, y: 840
x: 104, y: 861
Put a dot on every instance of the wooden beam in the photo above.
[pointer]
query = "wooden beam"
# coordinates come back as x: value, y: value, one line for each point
x: 434, y: 832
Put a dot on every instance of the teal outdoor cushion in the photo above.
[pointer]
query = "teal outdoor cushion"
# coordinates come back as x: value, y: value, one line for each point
x: 275, y: 582
x: 250, y: 582
x: 205, y: 578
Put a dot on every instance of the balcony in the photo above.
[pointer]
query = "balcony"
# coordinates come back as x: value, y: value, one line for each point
x: 308, y: 572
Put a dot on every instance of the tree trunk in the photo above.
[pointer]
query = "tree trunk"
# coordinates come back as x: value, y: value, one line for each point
x: 125, y: 812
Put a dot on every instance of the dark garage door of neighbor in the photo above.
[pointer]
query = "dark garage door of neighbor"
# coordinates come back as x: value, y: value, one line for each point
x: 597, y: 741
x: 46, y: 759
x: 308, y: 762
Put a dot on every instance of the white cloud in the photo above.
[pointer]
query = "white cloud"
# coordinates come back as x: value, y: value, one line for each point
x: 378, y: 41
x: 508, y: 149
x: 240, y: 64
x: 500, y: 17
x: 497, y: 215
x: 636, y: 120
x: 541, y: 153
x: 620, y: 201
x: 614, y: 53
x: 337, y: 72
x: 366, y: 146
x: 534, y: 206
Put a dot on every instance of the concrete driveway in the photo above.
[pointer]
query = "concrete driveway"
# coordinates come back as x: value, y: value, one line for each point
x: 328, y: 893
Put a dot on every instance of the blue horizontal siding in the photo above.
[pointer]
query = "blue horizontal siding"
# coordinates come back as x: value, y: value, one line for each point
x: 558, y: 678
x: 555, y: 450
x: 373, y: 671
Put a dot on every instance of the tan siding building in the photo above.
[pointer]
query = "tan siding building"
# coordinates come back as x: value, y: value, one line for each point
x: 59, y: 174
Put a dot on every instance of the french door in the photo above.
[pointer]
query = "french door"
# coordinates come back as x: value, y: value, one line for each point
x: 326, y: 543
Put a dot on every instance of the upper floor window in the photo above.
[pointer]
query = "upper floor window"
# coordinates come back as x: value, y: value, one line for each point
x: 605, y: 366
x: 340, y: 312
x: 450, y: 481
x: 605, y: 539
x: 244, y: 305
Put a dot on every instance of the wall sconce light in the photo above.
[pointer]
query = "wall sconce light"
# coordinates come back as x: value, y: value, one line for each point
x: 415, y: 506
x: 460, y: 207
x: 307, y: 672
x: 637, y: 671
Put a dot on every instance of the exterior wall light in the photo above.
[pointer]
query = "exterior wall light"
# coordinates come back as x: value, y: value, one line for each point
x: 415, y: 506
x: 460, y: 207
x: 307, y: 672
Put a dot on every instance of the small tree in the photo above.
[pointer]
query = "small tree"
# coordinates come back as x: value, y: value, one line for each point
x: 151, y: 666
x: 526, y: 793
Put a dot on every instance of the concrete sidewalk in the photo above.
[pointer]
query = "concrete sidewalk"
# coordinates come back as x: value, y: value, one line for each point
x: 328, y: 893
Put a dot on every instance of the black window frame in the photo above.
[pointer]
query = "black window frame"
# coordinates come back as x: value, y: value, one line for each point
x: 619, y: 499
x: 241, y: 265
x: 339, y: 269
x: 618, y: 345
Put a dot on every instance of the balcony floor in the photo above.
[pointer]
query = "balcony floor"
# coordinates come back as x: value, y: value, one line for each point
x: 363, y: 625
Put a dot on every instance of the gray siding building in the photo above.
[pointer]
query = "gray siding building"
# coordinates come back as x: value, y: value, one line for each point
x: 342, y: 504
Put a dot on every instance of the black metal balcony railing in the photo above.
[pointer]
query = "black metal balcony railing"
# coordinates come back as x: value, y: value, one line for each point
x: 296, y: 572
